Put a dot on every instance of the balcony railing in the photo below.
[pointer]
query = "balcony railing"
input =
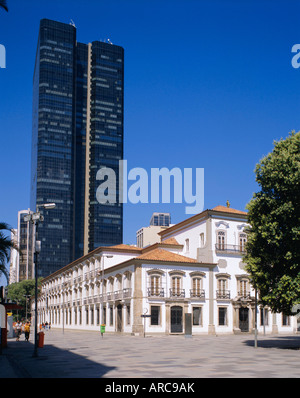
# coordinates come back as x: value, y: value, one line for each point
x: 223, y: 294
x: 244, y: 295
x: 122, y: 294
x: 156, y: 292
x: 230, y: 248
x: 197, y: 293
x: 177, y: 292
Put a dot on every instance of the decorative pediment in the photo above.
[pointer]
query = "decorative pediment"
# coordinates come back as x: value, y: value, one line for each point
x: 223, y: 223
x: 177, y: 272
x: 197, y: 273
x: 155, y: 271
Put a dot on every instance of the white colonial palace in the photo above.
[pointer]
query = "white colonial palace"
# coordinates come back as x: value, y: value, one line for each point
x: 193, y: 279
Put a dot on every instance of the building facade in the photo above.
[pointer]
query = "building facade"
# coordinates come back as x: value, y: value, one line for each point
x: 194, y: 275
x: 77, y: 129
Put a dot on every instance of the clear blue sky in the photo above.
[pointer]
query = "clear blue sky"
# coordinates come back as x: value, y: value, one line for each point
x: 207, y: 84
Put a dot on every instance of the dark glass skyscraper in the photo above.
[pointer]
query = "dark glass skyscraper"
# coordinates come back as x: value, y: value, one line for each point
x: 77, y: 129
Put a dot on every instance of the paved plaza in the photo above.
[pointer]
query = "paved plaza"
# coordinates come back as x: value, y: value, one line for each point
x: 84, y: 354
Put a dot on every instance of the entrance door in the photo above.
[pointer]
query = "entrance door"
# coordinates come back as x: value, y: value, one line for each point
x: 176, y: 319
x: 119, y: 318
x: 244, y: 319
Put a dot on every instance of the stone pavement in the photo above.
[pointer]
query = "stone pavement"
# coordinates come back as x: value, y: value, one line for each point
x: 84, y: 354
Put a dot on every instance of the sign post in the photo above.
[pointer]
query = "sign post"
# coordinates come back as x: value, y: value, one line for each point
x: 145, y: 316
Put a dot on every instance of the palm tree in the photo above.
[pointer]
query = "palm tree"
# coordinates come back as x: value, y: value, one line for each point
x: 6, y: 244
x: 3, y: 5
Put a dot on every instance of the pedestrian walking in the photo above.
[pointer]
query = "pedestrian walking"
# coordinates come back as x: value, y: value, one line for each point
x: 18, y: 329
x: 102, y: 329
x: 27, y: 330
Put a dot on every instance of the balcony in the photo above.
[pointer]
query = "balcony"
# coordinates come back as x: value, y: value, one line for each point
x: 122, y: 294
x: 177, y: 293
x: 223, y: 294
x: 230, y: 248
x: 117, y: 295
x: 244, y: 295
x: 197, y: 293
x: 156, y: 292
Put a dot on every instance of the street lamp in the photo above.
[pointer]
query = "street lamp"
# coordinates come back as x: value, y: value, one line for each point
x: 35, y: 218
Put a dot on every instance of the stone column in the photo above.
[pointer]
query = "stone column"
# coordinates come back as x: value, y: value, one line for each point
x: 274, y: 324
x: 137, y: 302
x: 211, y: 324
x: 236, y: 320
x: 167, y: 319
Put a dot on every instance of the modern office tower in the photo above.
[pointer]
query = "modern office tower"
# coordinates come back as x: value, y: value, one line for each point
x: 77, y: 129
x: 21, y: 262
x: 160, y: 219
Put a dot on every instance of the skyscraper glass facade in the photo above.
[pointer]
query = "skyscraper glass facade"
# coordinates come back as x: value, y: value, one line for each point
x: 77, y: 128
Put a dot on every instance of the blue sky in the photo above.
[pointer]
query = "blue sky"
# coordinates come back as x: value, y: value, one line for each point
x: 208, y: 84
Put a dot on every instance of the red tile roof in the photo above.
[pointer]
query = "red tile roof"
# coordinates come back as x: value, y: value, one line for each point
x: 165, y: 255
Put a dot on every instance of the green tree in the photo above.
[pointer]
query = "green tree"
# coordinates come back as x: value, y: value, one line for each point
x: 19, y: 292
x: 273, y: 247
x: 6, y: 244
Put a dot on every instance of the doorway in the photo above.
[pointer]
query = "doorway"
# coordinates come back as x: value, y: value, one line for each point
x: 244, y: 319
x: 176, y: 319
x: 119, y: 318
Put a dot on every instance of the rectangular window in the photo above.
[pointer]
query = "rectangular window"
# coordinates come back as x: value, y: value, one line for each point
x: 155, y: 315
x: 92, y: 316
x: 197, y: 318
x: 264, y: 318
x: 128, y: 314
x: 222, y: 316
x: 285, y: 320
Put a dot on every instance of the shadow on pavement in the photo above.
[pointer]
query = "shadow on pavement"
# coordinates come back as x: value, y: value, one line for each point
x: 284, y: 342
x: 51, y: 362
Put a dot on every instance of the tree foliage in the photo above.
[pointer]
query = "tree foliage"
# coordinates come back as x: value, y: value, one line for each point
x: 6, y: 244
x: 18, y: 291
x: 273, y: 247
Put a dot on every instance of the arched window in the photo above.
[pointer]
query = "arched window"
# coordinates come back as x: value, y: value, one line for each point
x: 223, y: 291
x: 155, y: 288
x: 196, y: 290
x: 242, y: 241
x: 176, y: 283
x: 221, y: 240
x: 243, y: 286
x: 201, y: 240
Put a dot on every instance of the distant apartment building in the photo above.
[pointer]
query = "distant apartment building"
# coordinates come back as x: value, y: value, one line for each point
x: 148, y: 235
x: 78, y: 95
x: 21, y: 262
x: 13, y: 264
x: 160, y: 219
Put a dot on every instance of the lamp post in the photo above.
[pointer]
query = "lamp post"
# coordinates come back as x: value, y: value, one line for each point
x: 35, y: 218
